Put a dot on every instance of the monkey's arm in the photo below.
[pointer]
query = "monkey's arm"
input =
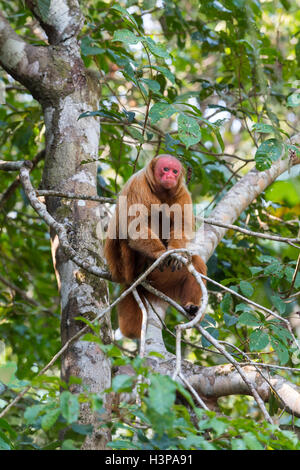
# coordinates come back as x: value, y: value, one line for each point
x: 142, y: 237
x: 182, y: 233
x: 151, y: 248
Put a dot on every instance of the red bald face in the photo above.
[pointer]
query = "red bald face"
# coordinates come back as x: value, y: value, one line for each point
x: 167, y: 171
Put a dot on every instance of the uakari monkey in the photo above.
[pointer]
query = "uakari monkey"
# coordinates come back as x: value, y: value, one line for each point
x: 164, y: 222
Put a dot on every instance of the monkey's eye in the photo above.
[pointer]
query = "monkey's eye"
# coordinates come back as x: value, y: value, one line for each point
x: 175, y: 172
x: 166, y: 169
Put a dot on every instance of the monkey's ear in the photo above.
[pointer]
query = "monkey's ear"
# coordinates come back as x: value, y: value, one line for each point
x: 153, y: 163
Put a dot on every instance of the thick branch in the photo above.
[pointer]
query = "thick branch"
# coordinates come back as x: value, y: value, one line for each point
x: 21, y: 60
x: 237, y: 199
x: 61, y: 21
x: 219, y: 381
x: 38, y: 68
x: 10, y: 165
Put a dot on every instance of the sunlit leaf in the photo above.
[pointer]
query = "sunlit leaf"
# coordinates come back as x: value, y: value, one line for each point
x: 161, y: 110
x: 188, y: 130
x: 267, y: 153
x: 258, y: 340
x: 126, y: 36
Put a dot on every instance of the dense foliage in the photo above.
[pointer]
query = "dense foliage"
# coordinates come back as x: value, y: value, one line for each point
x: 215, y: 83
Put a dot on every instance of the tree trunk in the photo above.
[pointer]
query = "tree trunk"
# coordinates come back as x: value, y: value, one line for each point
x: 69, y: 142
x: 57, y: 78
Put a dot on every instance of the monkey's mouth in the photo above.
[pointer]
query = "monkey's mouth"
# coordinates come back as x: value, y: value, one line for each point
x: 169, y: 184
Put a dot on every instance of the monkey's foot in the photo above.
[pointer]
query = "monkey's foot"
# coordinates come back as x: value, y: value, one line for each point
x: 191, y: 309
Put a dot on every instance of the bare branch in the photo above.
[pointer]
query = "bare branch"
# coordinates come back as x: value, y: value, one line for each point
x: 57, y: 227
x: 10, y: 165
x: 53, y: 193
x: 266, y: 236
x: 14, y: 185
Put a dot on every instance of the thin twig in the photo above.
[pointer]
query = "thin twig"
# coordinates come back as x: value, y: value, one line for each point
x: 249, y: 232
x: 24, y: 295
x: 193, y: 391
x: 14, y: 185
x: 53, y: 193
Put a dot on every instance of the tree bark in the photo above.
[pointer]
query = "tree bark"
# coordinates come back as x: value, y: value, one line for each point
x: 57, y: 78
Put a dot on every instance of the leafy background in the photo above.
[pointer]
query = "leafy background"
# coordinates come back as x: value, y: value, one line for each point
x: 215, y: 83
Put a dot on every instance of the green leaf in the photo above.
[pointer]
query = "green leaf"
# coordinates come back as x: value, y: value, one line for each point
x: 267, y: 153
x: 49, y: 419
x: 283, y: 334
x: 229, y: 319
x: 263, y: 128
x: 4, y: 445
x: 238, y: 444
x: 226, y: 303
x: 152, y: 84
x: 275, y: 269
x: 125, y: 13
x: 246, y: 288
x: 219, y: 139
x: 258, y: 340
x: 294, y: 100
x: 32, y: 412
x: 242, y: 307
x: 188, y: 130
x: 88, y: 48
x: 157, y: 49
x: 161, y: 110
x: 68, y: 444
x: 214, y: 332
x: 126, y: 36
x: 83, y: 429
x: 279, y: 304
x: 122, y: 383
x: 162, y: 392
x: 280, y: 349
x: 218, y: 426
x: 136, y: 134
x: 69, y: 406
x: 123, y: 445
x: 7, y: 374
x: 164, y: 71
x: 252, y: 442
x: 249, y: 319
x: 289, y: 274
x: 255, y: 270
x: 4, y: 425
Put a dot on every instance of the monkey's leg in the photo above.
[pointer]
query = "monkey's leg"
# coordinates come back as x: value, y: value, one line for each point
x: 181, y: 285
x: 130, y: 317
x: 191, y: 291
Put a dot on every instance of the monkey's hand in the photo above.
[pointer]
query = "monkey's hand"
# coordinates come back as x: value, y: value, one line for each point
x: 174, y: 263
